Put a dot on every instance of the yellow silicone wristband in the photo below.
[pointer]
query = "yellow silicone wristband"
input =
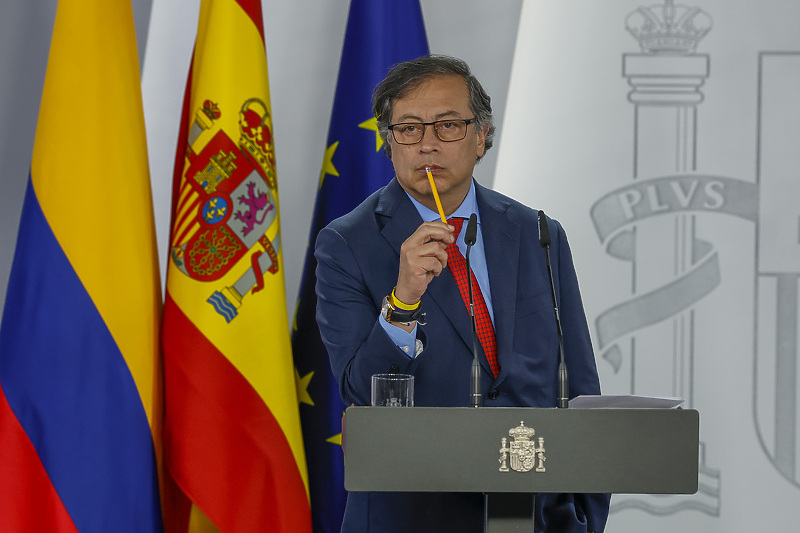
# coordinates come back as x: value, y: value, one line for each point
x: 400, y: 305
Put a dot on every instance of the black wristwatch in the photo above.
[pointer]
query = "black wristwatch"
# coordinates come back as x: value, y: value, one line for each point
x: 401, y: 316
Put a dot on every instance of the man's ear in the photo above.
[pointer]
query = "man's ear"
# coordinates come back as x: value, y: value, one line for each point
x: 481, y: 142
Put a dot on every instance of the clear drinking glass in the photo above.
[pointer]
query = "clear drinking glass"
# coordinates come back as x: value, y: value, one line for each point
x: 393, y: 390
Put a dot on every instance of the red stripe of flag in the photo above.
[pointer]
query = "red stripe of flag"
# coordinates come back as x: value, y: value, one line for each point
x: 246, y: 442
x: 28, y: 500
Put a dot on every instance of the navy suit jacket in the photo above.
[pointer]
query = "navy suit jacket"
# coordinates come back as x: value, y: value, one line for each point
x: 357, y: 265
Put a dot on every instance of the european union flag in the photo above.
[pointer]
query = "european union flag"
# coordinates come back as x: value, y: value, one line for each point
x: 378, y: 35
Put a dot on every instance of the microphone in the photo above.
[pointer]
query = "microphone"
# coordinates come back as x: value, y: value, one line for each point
x: 563, y: 384
x: 544, y: 234
x: 471, y: 233
x: 470, y: 236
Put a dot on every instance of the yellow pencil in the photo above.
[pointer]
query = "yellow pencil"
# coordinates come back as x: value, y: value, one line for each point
x: 435, y: 194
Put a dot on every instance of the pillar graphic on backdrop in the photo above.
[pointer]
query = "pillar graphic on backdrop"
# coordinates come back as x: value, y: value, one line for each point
x: 651, y: 224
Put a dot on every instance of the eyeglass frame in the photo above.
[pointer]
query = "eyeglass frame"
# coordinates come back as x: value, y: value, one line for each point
x: 467, y: 122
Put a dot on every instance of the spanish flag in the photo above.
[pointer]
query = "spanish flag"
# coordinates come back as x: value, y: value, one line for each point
x: 80, y: 392
x: 232, y: 434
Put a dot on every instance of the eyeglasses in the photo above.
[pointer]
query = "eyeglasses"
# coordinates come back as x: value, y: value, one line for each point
x: 446, y: 130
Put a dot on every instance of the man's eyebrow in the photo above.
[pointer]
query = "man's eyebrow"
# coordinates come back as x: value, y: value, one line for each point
x: 450, y: 113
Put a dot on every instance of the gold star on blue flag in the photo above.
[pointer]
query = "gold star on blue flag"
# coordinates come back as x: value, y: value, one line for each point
x: 353, y: 167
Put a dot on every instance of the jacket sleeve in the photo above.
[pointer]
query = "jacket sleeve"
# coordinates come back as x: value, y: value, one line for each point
x: 578, y: 352
x: 348, y: 310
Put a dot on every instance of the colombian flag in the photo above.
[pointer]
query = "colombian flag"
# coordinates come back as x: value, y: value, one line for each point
x: 80, y: 401
x: 232, y: 430
x: 378, y: 35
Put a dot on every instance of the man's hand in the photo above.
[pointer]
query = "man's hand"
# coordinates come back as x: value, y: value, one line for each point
x: 422, y: 257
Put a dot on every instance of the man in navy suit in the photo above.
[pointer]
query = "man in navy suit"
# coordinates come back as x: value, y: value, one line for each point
x: 384, y: 264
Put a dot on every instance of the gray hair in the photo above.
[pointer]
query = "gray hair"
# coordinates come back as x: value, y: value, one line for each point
x: 406, y: 76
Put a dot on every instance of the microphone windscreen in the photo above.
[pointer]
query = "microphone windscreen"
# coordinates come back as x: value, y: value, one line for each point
x: 471, y: 235
x: 544, y: 231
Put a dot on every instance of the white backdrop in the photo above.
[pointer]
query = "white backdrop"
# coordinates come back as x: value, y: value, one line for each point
x: 676, y: 179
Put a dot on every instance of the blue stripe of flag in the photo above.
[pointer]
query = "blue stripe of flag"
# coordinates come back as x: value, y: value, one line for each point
x: 71, y: 389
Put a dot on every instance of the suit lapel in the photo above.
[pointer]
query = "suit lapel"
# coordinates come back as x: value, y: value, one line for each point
x: 443, y: 290
x: 399, y: 218
x: 501, y: 242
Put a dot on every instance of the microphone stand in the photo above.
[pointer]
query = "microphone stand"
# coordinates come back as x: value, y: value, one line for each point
x: 470, y: 237
x: 563, y: 384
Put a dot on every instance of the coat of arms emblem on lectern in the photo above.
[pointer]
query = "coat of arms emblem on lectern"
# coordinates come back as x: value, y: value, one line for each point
x: 522, y: 452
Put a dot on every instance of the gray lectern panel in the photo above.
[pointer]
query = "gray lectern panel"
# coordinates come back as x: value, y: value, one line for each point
x: 646, y: 451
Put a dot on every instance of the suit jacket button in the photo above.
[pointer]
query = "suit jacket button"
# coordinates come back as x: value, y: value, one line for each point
x: 493, y: 394
x: 394, y: 369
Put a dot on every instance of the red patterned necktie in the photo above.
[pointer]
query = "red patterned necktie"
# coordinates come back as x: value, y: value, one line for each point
x: 483, y: 322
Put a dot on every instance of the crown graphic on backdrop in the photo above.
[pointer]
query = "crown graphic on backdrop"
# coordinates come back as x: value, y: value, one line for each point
x: 668, y: 28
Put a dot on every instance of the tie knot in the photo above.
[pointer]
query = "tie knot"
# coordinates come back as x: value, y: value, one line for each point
x: 456, y: 222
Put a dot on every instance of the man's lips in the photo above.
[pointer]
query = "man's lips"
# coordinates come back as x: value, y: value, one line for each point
x: 433, y: 168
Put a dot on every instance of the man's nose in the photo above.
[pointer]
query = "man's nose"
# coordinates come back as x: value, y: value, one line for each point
x: 429, y: 138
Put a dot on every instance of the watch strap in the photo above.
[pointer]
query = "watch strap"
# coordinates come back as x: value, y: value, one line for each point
x: 394, y: 314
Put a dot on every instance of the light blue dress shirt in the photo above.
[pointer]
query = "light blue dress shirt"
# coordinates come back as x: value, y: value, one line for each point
x: 406, y: 341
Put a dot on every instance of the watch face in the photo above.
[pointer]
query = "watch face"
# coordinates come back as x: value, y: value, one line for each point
x: 385, y: 306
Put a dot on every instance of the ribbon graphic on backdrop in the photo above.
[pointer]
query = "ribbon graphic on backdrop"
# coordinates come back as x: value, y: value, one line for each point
x: 615, y: 216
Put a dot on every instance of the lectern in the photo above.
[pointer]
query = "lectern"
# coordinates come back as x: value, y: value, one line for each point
x: 511, y: 453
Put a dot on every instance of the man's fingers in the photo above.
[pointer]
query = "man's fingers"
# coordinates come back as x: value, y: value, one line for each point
x: 423, y: 256
x: 435, y: 265
x: 432, y: 231
x: 423, y: 264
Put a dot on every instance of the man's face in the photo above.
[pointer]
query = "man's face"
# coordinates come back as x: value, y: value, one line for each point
x: 451, y: 163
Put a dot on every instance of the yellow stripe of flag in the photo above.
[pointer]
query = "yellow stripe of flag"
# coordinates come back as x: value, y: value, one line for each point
x: 90, y: 174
